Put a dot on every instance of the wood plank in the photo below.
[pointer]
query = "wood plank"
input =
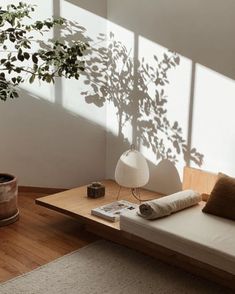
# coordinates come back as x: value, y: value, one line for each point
x: 44, y: 190
x: 37, y: 238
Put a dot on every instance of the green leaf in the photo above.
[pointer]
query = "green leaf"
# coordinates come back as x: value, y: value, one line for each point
x: 18, y: 69
x: 32, y: 78
x: 20, y: 57
x: 48, y: 78
x: 34, y: 58
x: 26, y: 55
x: 12, y: 38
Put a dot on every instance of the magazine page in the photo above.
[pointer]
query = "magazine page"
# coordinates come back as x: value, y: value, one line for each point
x: 113, y: 210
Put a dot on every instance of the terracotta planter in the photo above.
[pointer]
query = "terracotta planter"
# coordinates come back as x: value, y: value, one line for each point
x: 9, y: 212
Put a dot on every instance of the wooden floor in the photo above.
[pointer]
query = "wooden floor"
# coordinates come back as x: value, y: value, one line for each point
x: 39, y: 236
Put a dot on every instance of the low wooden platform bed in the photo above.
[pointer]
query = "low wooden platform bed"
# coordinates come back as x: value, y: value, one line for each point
x: 201, y: 243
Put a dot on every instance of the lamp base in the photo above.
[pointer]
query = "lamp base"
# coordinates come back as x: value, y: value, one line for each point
x: 135, y: 193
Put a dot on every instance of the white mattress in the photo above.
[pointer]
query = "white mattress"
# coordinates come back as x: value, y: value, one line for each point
x: 204, y: 237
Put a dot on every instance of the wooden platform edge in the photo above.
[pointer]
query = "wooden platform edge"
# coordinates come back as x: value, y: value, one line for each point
x: 81, y: 219
x: 44, y: 190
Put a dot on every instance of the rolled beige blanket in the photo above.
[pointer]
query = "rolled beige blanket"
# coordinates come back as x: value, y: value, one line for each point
x: 169, y: 204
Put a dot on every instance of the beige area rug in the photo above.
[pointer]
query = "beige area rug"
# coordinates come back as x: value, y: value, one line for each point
x: 104, y: 267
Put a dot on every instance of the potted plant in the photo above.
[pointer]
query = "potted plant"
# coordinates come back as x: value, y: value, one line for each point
x: 8, y: 199
x: 20, y: 62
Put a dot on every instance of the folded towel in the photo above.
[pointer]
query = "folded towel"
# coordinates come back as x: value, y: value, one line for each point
x: 166, y: 205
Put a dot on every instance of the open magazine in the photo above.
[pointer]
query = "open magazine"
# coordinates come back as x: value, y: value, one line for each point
x: 113, y: 210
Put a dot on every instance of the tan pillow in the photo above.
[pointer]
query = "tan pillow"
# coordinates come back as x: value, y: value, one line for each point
x: 222, y: 198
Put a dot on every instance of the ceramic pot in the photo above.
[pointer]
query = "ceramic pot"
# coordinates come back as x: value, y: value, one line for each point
x: 8, y: 199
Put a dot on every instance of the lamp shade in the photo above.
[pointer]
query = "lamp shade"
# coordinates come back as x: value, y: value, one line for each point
x: 132, y: 170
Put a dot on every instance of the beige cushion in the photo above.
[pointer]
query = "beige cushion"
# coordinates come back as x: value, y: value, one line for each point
x: 169, y: 204
x: 222, y: 198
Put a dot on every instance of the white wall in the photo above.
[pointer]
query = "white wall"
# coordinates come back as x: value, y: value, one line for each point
x: 53, y: 137
x: 50, y: 137
x: 201, y: 90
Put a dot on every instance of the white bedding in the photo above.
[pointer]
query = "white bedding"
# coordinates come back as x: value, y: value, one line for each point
x: 204, y: 237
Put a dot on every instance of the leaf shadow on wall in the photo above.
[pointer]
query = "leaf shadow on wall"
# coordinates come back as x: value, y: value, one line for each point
x: 137, y: 91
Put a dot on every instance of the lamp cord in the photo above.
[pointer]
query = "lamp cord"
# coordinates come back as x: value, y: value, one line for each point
x: 119, y: 190
x: 135, y: 193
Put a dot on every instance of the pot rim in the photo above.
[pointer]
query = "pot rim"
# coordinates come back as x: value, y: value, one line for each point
x: 14, y: 179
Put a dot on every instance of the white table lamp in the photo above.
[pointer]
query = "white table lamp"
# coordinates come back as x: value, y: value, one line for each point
x: 132, y: 170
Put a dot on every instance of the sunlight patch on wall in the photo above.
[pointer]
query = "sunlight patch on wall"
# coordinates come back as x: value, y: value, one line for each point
x: 116, y: 120
x: 75, y: 103
x: 214, y: 119
x: 176, y: 94
x: 71, y: 97
x: 40, y: 89
x: 91, y: 21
